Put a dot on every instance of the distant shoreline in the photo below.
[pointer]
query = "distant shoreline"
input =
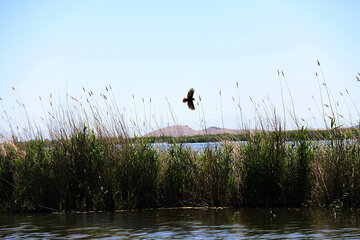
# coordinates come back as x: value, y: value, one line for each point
x: 313, y: 134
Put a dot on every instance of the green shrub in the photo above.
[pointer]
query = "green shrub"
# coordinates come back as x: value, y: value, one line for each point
x: 7, y: 158
x: 87, y: 157
x: 298, y: 181
x: 178, y: 177
x: 216, y: 177
x: 262, y: 169
x: 136, y: 175
x: 33, y: 182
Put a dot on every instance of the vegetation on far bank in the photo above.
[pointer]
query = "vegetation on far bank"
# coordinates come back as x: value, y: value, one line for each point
x: 288, y: 135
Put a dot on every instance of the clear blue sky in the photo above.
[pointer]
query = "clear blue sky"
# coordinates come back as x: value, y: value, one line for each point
x: 160, y: 49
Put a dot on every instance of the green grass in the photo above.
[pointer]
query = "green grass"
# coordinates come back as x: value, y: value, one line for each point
x: 86, y: 173
x: 90, y: 162
x: 289, y: 135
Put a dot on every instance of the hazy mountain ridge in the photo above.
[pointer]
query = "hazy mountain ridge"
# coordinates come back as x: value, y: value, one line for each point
x: 185, y: 130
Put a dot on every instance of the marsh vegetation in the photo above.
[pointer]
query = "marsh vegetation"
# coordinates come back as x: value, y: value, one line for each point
x: 90, y: 162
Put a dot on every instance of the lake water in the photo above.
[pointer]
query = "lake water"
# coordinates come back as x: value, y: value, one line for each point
x: 202, y: 145
x: 260, y: 223
x: 195, y: 146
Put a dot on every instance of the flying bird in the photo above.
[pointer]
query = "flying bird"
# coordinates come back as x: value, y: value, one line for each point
x: 189, y: 99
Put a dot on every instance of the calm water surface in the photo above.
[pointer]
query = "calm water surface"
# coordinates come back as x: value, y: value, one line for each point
x: 202, y: 145
x: 181, y: 223
x: 194, y: 146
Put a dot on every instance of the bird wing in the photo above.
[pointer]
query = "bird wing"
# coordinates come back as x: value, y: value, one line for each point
x: 190, y: 93
x: 190, y: 104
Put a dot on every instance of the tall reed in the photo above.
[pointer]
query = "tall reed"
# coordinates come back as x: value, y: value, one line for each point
x: 90, y: 161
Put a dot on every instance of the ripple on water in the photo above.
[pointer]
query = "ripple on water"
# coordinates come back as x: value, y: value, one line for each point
x: 182, y: 224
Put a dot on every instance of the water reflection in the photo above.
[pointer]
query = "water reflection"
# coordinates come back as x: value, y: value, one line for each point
x: 198, y: 146
x: 184, y: 223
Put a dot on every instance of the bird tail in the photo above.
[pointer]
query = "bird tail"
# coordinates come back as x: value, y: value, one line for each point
x: 185, y: 99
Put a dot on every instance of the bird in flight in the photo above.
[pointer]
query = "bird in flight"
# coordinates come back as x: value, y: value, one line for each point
x: 189, y: 99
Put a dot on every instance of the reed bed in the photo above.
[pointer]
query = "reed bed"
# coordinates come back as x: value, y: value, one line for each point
x: 89, y: 162
x: 86, y: 173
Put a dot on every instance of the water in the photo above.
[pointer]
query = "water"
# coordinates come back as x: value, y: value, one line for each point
x: 258, y: 223
x: 199, y: 146
x: 195, y: 146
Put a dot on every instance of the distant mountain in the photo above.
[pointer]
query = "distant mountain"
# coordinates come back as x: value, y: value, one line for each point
x: 184, y: 130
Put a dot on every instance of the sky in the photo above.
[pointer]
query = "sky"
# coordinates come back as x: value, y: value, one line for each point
x: 160, y: 49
